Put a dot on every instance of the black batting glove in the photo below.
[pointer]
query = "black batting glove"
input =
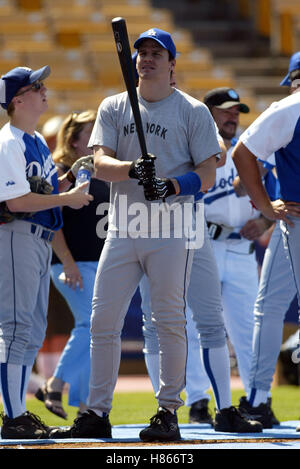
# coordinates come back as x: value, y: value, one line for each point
x: 143, y: 169
x: 159, y: 188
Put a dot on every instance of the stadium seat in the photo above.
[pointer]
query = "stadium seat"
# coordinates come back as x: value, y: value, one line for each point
x: 196, y: 60
x: 7, y: 7
x: 9, y: 60
x: 205, y: 82
x: 285, y: 35
x: 28, y: 43
x: 23, y: 23
x: 30, y: 5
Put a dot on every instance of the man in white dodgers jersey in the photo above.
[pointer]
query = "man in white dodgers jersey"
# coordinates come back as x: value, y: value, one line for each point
x: 277, y: 289
x: 276, y: 130
x: 25, y: 241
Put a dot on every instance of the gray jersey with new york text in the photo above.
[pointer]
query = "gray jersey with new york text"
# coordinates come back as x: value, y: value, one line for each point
x: 179, y: 131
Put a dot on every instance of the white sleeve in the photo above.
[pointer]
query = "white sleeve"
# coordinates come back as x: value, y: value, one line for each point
x: 272, y: 130
x: 13, y: 181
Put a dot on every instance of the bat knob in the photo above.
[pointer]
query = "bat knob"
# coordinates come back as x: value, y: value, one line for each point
x: 150, y: 157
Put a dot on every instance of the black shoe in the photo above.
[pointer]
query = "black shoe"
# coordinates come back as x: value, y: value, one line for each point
x: 275, y: 421
x: 88, y: 425
x: 231, y: 420
x: 199, y: 412
x: 25, y: 427
x: 261, y: 413
x: 59, y: 433
x: 163, y: 427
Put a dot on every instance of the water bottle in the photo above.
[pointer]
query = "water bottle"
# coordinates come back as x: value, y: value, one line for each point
x: 83, y: 175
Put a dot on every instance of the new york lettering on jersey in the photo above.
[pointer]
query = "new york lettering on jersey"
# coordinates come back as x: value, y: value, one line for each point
x: 151, y: 128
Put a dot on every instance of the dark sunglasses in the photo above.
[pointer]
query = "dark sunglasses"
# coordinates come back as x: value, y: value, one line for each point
x: 34, y: 87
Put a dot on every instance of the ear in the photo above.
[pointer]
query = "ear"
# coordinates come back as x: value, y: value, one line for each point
x: 172, y: 63
x: 17, y: 100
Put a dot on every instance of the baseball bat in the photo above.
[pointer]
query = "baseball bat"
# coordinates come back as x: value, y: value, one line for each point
x: 123, y: 48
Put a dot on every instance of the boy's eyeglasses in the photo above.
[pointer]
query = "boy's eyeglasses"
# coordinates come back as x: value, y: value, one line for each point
x: 34, y: 87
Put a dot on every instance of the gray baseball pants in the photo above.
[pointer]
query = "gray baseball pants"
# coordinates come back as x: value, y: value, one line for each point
x: 123, y: 262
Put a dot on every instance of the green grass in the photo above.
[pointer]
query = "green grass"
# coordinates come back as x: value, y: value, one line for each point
x: 138, y: 407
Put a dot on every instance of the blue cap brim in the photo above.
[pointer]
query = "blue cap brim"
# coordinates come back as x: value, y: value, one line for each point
x: 40, y: 74
x: 138, y: 41
x: 286, y: 81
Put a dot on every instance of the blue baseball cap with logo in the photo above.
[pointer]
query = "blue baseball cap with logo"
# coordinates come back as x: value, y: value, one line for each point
x: 294, y: 65
x: 162, y: 37
x: 17, y: 78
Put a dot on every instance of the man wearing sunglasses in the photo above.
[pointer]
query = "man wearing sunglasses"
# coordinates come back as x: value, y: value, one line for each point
x: 28, y: 221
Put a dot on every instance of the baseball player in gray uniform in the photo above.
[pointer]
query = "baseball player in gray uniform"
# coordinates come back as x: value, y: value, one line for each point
x: 29, y: 216
x: 277, y: 289
x: 181, y: 134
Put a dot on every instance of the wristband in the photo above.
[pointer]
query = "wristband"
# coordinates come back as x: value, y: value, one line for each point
x: 189, y: 183
x: 70, y: 176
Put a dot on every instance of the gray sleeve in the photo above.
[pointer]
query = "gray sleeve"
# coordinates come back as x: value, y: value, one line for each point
x: 104, y: 132
x: 203, y: 139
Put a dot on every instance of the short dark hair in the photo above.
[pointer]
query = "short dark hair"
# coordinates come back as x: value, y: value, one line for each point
x: 10, y: 109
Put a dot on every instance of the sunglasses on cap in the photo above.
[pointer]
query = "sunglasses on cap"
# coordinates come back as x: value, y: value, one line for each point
x: 34, y: 87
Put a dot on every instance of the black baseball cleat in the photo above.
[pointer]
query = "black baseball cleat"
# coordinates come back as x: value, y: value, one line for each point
x: 232, y: 421
x: 25, y: 427
x: 199, y: 412
x: 261, y: 413
x: 275, y: 420
x: 87, y: 425
x: 60, y: 433
x: 163, y: 427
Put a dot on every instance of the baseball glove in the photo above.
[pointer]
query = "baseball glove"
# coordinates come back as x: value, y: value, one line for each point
x: 86, y: 161
x: 38, y: 185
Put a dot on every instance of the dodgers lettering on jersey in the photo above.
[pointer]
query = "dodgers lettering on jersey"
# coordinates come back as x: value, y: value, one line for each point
x: 22, y: 156
x: 222, y: 205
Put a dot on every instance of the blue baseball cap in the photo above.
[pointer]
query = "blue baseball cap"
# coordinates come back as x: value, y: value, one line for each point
x: 294, y: 65
x: 15, y: 79
x: 162, y: 37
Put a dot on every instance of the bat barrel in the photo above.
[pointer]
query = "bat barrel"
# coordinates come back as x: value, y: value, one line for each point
x: 125, y: 58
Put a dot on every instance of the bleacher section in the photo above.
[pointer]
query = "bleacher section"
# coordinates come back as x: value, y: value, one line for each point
x: 75, y: 38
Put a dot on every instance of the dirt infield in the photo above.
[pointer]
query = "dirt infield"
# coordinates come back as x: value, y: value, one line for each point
x: 112, y: 445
